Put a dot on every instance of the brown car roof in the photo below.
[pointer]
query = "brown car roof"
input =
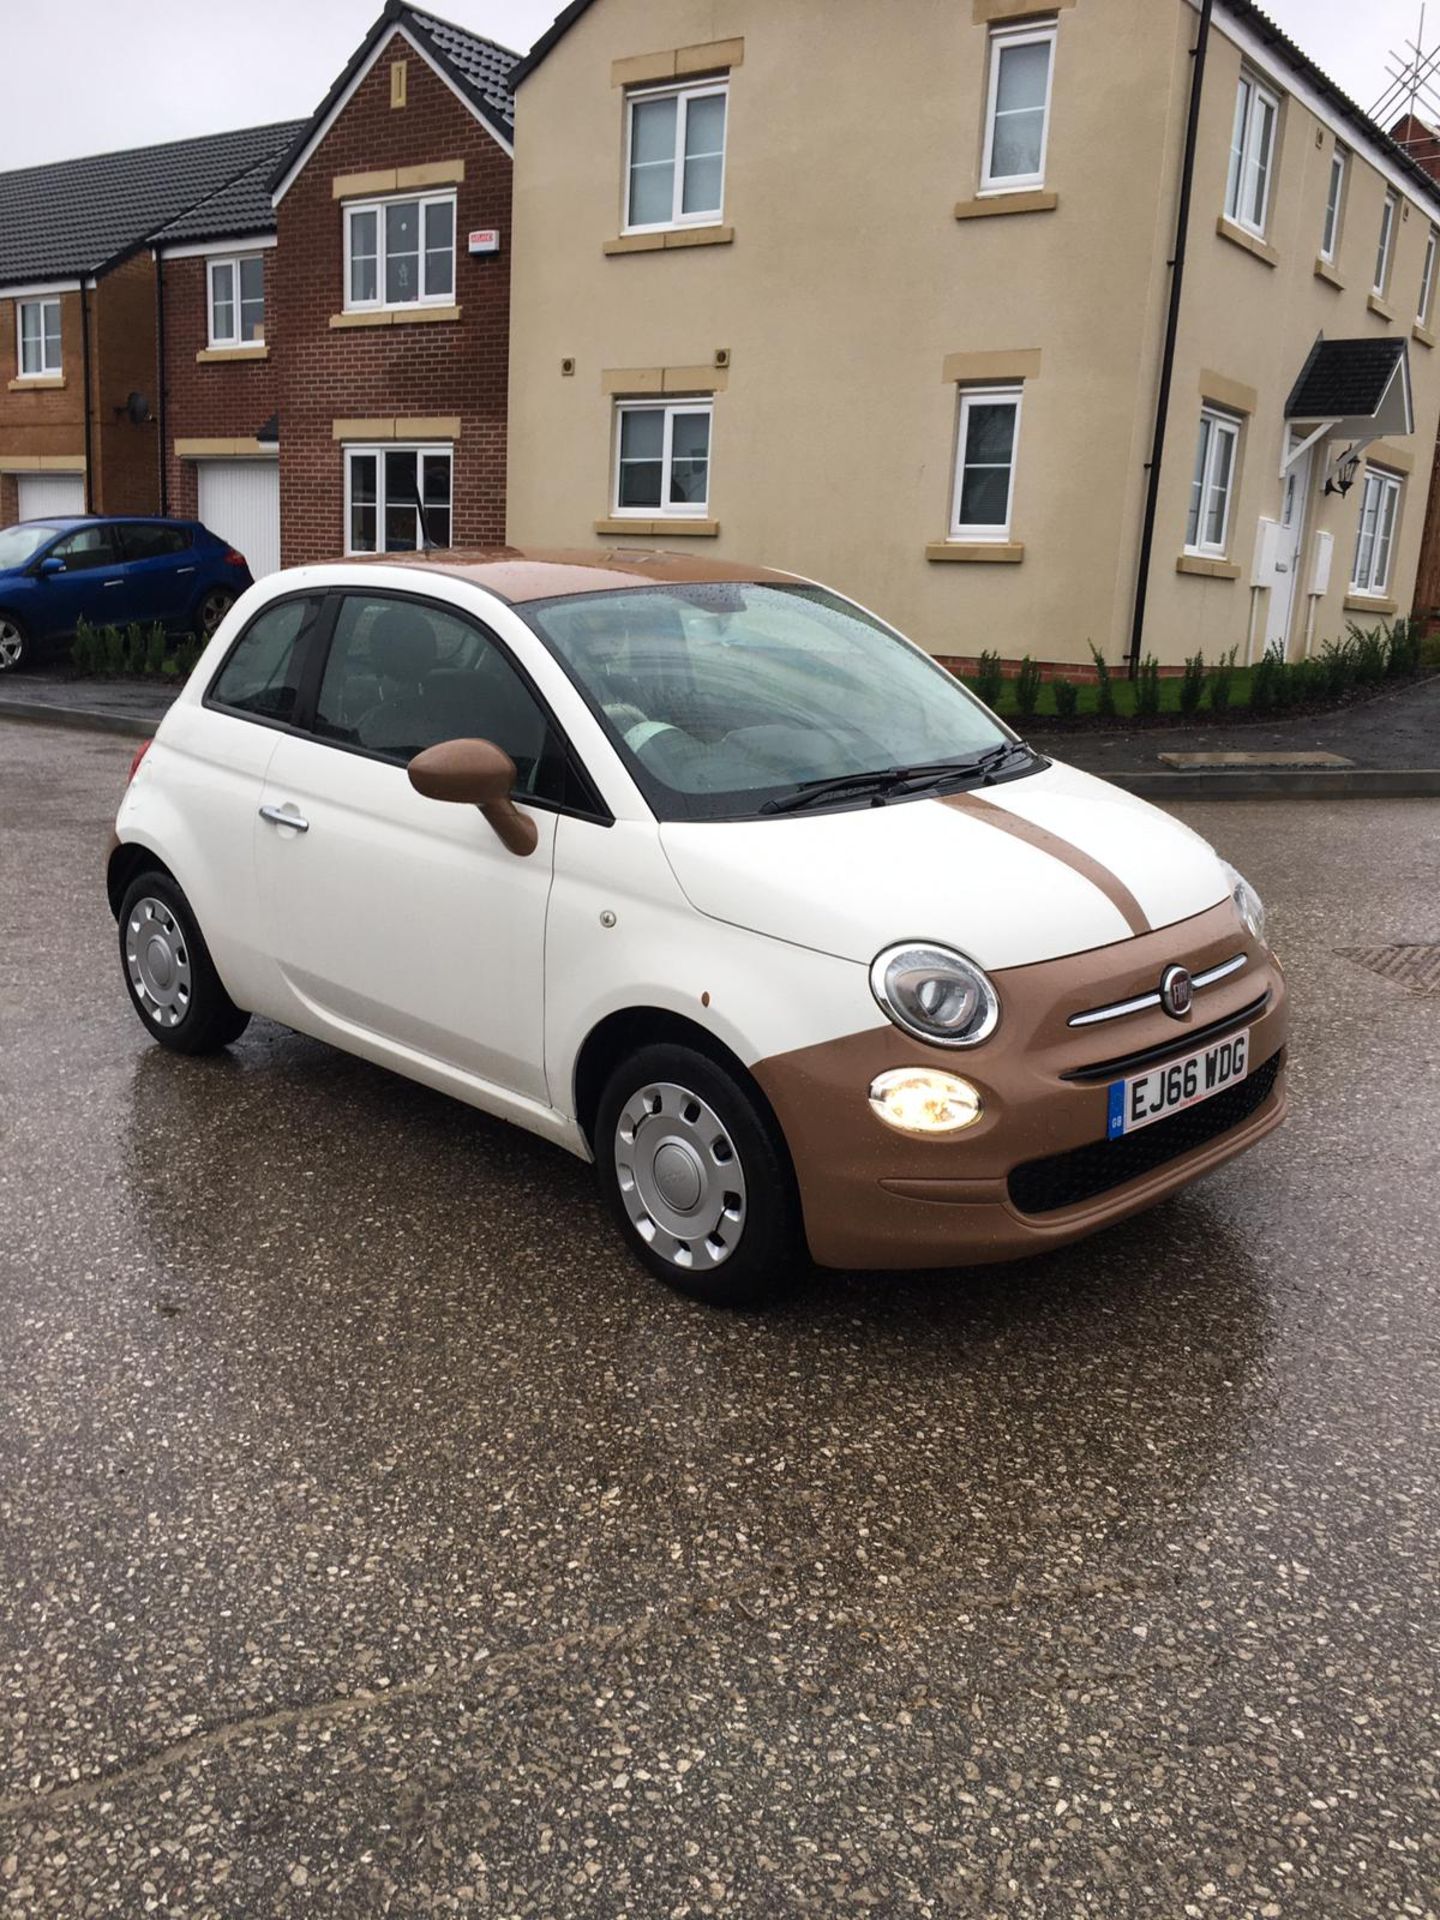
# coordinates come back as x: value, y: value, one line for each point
x: 519, y: 574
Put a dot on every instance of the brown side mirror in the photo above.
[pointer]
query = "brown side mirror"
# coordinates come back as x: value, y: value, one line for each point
x: 476, y: 773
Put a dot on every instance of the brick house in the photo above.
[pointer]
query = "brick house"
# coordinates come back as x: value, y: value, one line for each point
x: 390, y: 298
x: 81, y: 407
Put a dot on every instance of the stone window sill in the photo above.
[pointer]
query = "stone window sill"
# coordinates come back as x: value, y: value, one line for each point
x: 252, y: 350
x: 395, y: 317
x: 662, y: 528
x: 37, y: 383
x: 670, y: 237
x: 1374, y: 304
x: 1208, y: 569
x: 1360, y: 603
x: 1422, y: 334
x: 986, y: 205
x: 1249, y: 243
x: 1005, y: 553
x: 1325, y: 270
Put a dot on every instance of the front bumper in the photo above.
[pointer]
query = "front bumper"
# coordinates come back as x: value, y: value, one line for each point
x: 1037, y: 1170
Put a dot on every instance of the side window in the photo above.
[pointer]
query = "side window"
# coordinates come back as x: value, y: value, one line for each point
x: 402, y: 676
x: 89, y: 547
x: 262, y: 674
x: 1017, y: 108
x: 140, y: 541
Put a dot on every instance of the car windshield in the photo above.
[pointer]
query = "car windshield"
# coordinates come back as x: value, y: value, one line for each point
x: 728, y: 700
x: 19, y: 544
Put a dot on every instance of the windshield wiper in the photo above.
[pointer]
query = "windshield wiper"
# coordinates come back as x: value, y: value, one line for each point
x: 886, y: 782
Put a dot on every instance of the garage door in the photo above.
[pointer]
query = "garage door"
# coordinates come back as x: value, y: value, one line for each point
x: 240, y: 501
x: 45, y: 494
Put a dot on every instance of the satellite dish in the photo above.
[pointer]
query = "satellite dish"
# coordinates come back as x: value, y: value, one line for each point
x: 138, y: 409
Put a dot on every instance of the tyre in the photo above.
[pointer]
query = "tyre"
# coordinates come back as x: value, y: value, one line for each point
x: 698, y: 1177
x: 14, y: 644
x: 212, y: 609
x: 169, y: 974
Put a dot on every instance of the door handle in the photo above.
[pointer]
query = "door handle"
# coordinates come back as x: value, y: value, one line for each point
x: 279, y: 817
x: 180, y: 570
x: 112, y: 583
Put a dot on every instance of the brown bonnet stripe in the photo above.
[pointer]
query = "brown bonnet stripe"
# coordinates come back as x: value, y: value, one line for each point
x: 1115, y: 891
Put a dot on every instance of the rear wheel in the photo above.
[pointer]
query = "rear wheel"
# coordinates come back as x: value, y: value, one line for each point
x: 14, y: 643
x: 212, y: 610
x: 169, y: 974
x: 698, y: 1178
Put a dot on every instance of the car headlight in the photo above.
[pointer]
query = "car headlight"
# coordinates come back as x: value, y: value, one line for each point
x: 935, y: 994
x: 1248, y: 904
x: 919, y: 1100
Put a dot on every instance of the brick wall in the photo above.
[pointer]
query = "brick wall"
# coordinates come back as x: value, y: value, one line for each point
x: 430, y: 368
x: 39, y: 421
x: 123, y: 346
x: 208, y: 400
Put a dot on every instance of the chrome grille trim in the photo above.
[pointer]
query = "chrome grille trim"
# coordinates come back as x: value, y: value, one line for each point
x: 1118, y: 1010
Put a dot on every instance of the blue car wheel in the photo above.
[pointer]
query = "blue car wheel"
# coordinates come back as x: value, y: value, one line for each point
x: 212, y: 609
x: 14, y: 643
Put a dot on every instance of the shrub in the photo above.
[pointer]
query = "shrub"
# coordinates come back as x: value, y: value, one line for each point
x: 1303, y: 682
x: 1221, y: 681
x: 84, y: 648
x: 1402, y: 646
x: 134, y: 648
x: 1336, y: 663
x: 186, y: 655
x: 1027, y: 687
x: 1147, y: 686
x: 155, y: 641
x: 1067, y: 698
x: 1104, y: 686
x: 1192, y: 684
x: 1266, y: 682
x: 1430, y: 650
x: 989, y: 680
x: 111, y: 649
x: 1371, y: 654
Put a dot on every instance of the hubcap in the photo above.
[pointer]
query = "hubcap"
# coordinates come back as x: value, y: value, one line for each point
x: 11, y: 645
x: 157, y: 959
x: 680, y: 1176
x: 213, y: 609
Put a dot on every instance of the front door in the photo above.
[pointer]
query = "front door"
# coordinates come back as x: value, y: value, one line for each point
x: 1285, y: 591
x: 403, y: 926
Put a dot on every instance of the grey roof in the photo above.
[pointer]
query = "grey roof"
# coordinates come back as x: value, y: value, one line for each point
x: 74, y: 216
x: 1344, y: 379
x: 479, y: 69
x: 241, y: 206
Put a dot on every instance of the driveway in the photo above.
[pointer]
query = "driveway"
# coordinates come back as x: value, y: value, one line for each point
x: 376, y: 1539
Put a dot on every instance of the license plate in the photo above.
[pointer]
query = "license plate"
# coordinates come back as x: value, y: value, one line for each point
x: 1148, y: 1097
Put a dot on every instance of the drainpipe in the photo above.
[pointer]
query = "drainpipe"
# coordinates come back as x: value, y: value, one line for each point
x: 1172, y: 329
x: 160, y: 381
x: 85, y: 355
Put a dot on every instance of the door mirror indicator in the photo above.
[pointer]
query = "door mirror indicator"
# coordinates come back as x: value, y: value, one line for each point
x: 476, y: 773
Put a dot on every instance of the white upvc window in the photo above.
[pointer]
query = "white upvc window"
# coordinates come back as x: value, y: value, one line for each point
x: 662, y: 458
x: 1252, y: 154
x: 986, y: 442
x: 386, y: 488
x: 1379, y: 513
x: 1427, y: 279
x: 1387, y: 242
x: 37, y: 329
x: 1017, y: 108
x: 675, y: 156
x: 237, y: 300
x: 400, y: 252
x: 1334, y: 200
x: 1207, y: 527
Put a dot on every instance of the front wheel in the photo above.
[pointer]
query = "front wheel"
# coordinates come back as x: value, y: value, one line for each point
x: 212, y: 610
x: 14, y: 643
x: 698, y: 1178
x: 169, y: 974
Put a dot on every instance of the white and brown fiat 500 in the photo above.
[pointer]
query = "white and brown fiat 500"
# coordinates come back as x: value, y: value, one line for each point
x: 708, y: 876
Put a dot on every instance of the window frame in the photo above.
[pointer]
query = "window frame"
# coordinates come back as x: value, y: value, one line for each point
x: 682, y: 92
x: 1385, y: 253
x: 1334, y: 203
x: 1001, y: 39
x: 1242, y: 159
x: 1389, y: 487
x: 1427, y: 279
x: 670, y: 405
x: 45, y: 370
x: 1220, y: 424
x: 316, y: 641
x: 236, y: 339
x: 971, y: 395
x: 378, y: 449
x: 378, y: 204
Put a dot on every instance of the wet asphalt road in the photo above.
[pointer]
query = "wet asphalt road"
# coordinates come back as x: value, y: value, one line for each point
x: 374, y: 1538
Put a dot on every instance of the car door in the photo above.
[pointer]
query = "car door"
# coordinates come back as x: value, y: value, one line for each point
x: 90, y: 584
x: 402, y: 926
x: 159, y: 573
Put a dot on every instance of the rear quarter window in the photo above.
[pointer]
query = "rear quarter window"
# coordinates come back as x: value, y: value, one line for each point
x: 261, y: 674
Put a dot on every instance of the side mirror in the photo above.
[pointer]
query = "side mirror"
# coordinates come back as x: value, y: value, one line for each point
x: 50, y: 566
x: 476, y: 773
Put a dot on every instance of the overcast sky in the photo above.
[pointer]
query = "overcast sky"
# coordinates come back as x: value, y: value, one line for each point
x: 88, y: 76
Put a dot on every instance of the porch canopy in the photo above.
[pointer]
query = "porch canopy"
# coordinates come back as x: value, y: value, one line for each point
x: 1349, y: 393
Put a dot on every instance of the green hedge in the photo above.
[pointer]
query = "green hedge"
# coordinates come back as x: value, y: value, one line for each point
x: 133, y: 651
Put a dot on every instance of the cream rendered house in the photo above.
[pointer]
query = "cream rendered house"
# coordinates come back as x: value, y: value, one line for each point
x: 883, y: 294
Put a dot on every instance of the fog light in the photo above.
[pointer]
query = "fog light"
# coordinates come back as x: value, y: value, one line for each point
x: 916, y: 1100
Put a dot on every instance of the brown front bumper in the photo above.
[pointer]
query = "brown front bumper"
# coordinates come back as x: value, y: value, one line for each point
x: 873, y: 1197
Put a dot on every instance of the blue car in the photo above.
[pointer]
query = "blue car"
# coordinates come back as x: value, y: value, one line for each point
x: 55, y: 573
